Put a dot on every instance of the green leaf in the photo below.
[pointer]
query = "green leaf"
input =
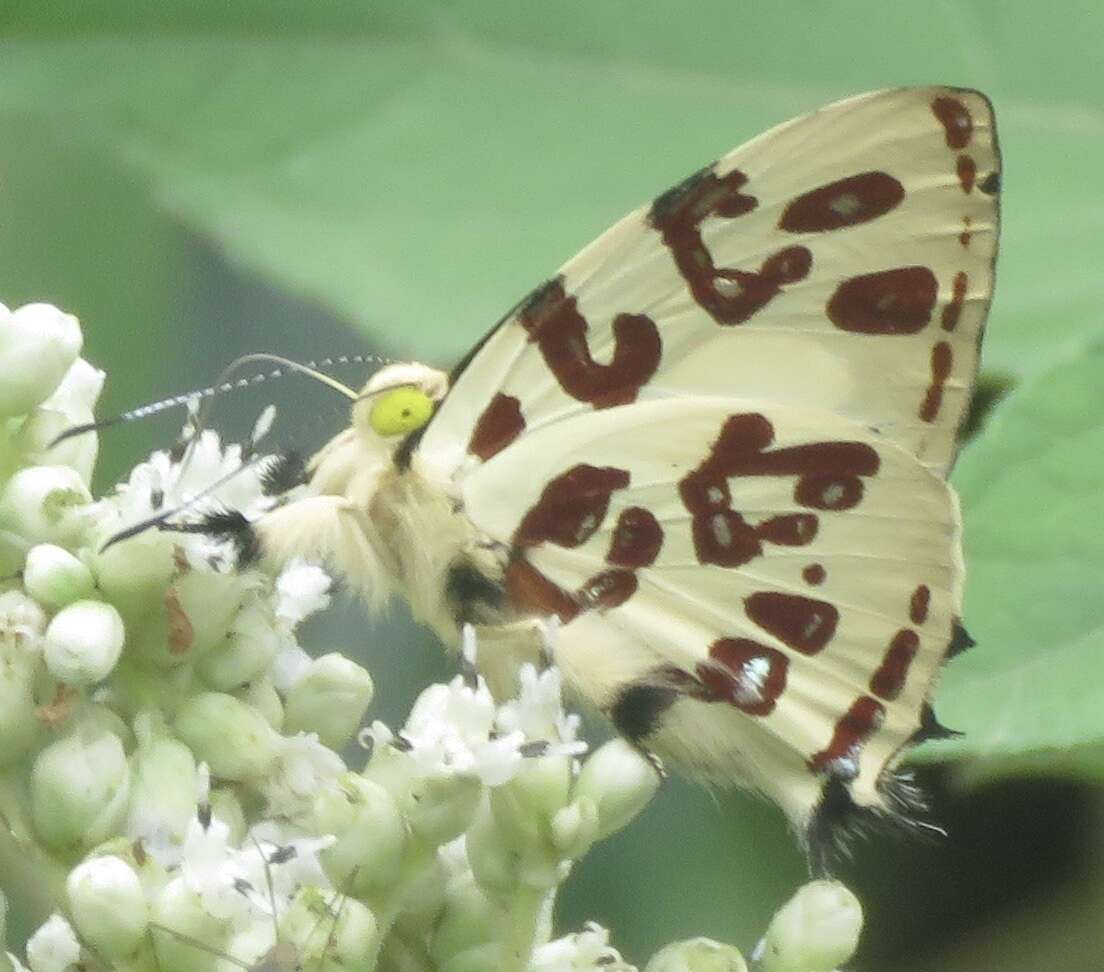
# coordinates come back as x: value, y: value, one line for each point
x: 1033, y: 503
x: 416, y: 167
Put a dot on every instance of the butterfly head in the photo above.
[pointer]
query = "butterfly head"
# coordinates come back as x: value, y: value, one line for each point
x: 397, y: 400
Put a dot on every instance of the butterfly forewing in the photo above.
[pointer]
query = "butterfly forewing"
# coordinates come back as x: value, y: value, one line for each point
x: 714, y: 444
x: 843, y: 260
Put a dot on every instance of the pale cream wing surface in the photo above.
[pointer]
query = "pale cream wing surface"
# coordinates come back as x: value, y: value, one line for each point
x: 842, y: 261
x: 794, y: 576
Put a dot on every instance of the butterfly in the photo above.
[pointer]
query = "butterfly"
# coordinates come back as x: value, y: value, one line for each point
x: 713, y: 448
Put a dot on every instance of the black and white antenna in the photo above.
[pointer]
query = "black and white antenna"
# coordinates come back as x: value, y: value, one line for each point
x: 224, y: 385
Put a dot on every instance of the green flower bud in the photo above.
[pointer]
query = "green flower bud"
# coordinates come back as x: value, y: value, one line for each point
x: 370, y: 831
x: 79, y: 789
x: 479, y: 958
x: 135, y: 574
x: 178, y: 921
x: 226, y: 806
x: 13, y: 552
x: 495, y: 864
x: 619, y: 781
x: 261, y: 694
x: 393, y: 770
x: 575, y: 827
x: 439, y: 807
x: 71, y: 404
x: 817, y: 930
x: 697, y: 955
x: 424, y: 880
x: 210, y: 602
x: 83, y: 642
x: 349, y: 936
x: 162, y: 785
x: 21, y: 625
x: 229, y: 736
x: 38, y: 343
x: 245, y: 653
x: 108, y: 905
x: 525, y: 805
x: 55, y: 577
x: 45, y: 504
x: 470, y: 920
x: 330, y: 699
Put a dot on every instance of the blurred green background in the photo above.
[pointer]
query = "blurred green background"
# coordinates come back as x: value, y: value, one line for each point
x: 199, y: 180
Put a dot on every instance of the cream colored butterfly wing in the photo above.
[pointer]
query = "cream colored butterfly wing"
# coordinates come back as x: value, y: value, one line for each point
x: 760, y: 375
x: 843, y: 261
x: 763, y: 592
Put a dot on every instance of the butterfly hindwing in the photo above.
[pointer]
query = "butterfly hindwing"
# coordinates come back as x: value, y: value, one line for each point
x: 783, y: 565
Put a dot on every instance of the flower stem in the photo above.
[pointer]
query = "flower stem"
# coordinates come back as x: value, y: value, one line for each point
x: 525, y: 918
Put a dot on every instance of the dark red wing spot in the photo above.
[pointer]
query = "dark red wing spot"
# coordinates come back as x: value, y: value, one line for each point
x: 898, y: 301
x: 805, y: 625
x: 941, y: 360
x: 533, y: 593
x: 636, y: 539
x: 918, y: 604
x: 700, y: 195
x: 953, y: 311
x: 498, y: 426
x: 571, y: 507
x: 965, y: 236
x: 609, y: 589
x: 704, y: 489
x: 724, y: 538
x: 530, y: 592
x: 846, y: 202
x: 827, y: 478
x: 841, y: 757
x: 829, y: 492
x: 552, y: 320
x: 954, y: 116
x: 728, y: 295
x: 814, y: 574
x: 889, y: 679
x: 789, y: 530
x: 745, y: 674
x: 967, y: 172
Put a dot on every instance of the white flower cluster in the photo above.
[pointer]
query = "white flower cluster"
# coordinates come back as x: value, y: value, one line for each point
x: 169, y: 763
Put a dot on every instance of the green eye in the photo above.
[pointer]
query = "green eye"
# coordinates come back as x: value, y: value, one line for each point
x: 401, y: 410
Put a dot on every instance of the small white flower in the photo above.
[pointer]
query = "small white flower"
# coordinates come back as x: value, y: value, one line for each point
x: 204, y: 856
x: 538, y: 710
x: 298, y: 865
x: 301, y: 590
x: 54, y: 947
x: 290, y: 664
x: 302, y: 767
x: 450, y: 728
x: 587, y: 950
